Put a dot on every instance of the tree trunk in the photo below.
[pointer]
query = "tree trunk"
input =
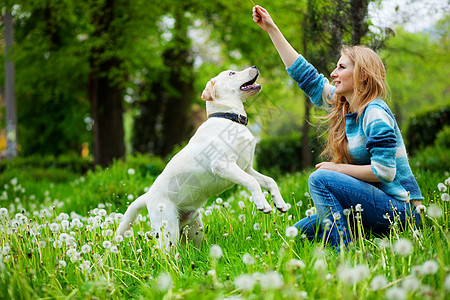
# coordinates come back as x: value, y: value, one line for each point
x: 105, y: 96
x: 11, y: 112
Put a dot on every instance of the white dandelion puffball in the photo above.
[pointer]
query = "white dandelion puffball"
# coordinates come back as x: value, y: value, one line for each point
x: 421, y: 209
x: 358, y: 207
x: 442, y: 187
x: 447, y: 283
x: 271, y: 280
x: 248, y: 259
x: 219, y: 201
x: 378, y: 282
x: 86, y: 248
x: 131, y: 171
x: 403, y: 247
x: 295, y: 264
x: 163, y: 282
x: 215, y: 251
x: 434, y: 211
x: 445, y: 197
x: 161, y: 206
x: 429, y: 267
x: 396, y: 293
x: 114, y: 249
x: 106, y: 244
x: 256, y: 226
x: 245, y: 282
x: 291, y: 232
x: 128, y: 233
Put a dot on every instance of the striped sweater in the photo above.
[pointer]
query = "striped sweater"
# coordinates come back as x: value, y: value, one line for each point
x: 373, y: 139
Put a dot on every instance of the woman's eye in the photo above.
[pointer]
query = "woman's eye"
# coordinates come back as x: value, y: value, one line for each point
x: 231, y: 73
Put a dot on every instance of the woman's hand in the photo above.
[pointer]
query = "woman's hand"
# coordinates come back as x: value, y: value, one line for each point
x: 361, y: 172
x: 262, y: 18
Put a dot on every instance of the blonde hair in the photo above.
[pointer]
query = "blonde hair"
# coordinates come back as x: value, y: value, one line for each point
x: 369, y: 83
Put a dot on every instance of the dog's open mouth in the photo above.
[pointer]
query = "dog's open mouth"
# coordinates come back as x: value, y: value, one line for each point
x: 250, y: 85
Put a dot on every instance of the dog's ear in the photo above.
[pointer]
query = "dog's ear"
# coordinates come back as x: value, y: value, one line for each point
x: 209, y: 92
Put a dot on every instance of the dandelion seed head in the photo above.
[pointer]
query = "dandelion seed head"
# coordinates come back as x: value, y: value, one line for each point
x: 215, y: 251
x: 442, y: 187
x: 62, y: 264
x: 128, y: 234
x: 248, y: 259
x: 219, y: 201
x: 421, y: 209
x: 445, y: 197
x: 403, y: 247
x: 163, y: 282
x: 430, y: 267
x: 245, y: 282
x: 256, y: 226
x: 359, y: 207
x: 106, y: 244
x: 291, y: 232
x: 396, y: 293
x: 131, y: 171
x: 161, y: 206
x: 447, y: 181
x: 434, y: 211
x: 271, y: 280
x: 295, y: 264
x: 320, y: 265
x: 114, y: 249
x: 3, y: 211
x: 118, y: 239
x: 447, y: 283
x: 378, y: 282
x: 86, y: 248
x: 411, y: 283
x: 336, y: 216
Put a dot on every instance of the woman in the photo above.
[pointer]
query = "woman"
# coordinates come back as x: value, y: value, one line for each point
x: 368, y: 171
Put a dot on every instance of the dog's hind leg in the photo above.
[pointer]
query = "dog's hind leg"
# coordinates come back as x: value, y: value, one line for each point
x: 131, y: 214
x: 191, y: 227
x: 164, y: 222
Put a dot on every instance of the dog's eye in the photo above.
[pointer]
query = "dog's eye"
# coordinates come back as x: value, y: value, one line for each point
x: 231, y: 73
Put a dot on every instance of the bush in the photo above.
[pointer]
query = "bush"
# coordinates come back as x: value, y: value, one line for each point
x: 423, y: 128
x: 434, y: 158
x: 284, y: 153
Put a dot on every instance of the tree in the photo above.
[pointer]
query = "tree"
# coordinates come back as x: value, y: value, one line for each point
x: 164, y: 120
x: 11, y: 114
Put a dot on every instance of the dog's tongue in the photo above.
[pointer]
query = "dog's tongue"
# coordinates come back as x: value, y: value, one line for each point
x: 250, y: 87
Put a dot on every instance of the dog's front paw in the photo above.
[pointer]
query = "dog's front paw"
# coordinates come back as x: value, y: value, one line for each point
x: 280, y: 204
x: 262, y: 205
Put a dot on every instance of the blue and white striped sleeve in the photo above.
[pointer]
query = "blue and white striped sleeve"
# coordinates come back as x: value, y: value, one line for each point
x: 381, y: 143
x: 315, y: 85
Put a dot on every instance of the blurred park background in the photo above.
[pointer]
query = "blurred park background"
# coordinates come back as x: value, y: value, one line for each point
x: 89, y: 82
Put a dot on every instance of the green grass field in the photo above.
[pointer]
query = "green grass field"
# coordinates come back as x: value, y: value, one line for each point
x: 57, y: 243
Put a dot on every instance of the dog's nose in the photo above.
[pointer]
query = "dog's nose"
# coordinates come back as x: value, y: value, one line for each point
x: 254, y: 67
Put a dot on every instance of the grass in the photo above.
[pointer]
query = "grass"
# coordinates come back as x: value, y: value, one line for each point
x: 56, y: 242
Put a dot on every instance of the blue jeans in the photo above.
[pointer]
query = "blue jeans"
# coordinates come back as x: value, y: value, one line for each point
x: 334, y: 192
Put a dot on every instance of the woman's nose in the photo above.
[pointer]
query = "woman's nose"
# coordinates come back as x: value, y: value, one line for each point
x: 333, y: 74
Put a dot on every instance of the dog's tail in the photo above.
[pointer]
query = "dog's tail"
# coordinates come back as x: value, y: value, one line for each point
x: 131, y: 214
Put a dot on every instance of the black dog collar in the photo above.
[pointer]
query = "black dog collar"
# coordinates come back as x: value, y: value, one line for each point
x: 233, y: 117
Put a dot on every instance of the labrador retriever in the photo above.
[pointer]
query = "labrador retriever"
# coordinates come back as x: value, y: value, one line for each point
x: 218, y: 156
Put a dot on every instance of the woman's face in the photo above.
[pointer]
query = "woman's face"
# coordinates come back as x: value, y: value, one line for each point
x: 343, y: 78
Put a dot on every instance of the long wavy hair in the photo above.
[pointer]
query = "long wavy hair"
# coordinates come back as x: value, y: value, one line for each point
x: 369, y: 82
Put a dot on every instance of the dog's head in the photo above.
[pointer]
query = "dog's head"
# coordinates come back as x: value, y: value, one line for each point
x: 232, y: 85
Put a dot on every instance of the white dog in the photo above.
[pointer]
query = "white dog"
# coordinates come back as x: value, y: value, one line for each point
x: 219, y: 155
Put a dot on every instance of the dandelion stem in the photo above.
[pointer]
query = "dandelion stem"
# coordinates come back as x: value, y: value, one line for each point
x: 253, y: 3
